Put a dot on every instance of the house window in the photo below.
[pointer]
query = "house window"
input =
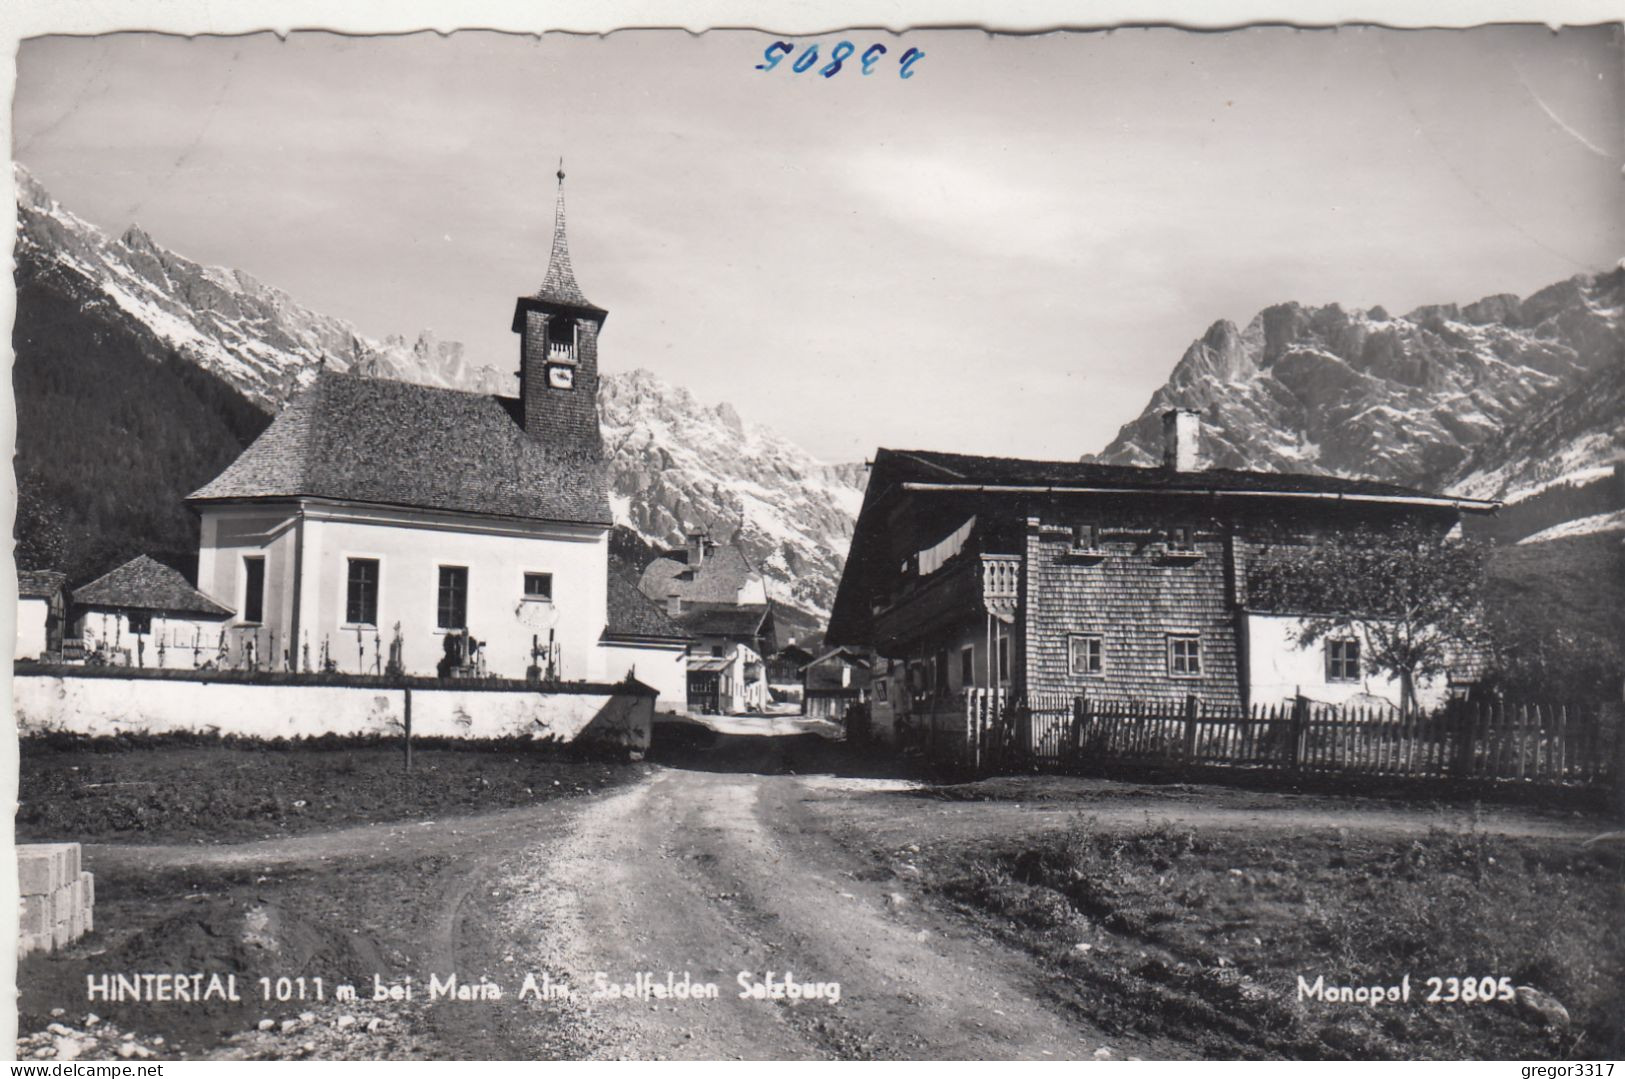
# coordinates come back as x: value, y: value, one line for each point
x: 452, y: 598
x: 140, y: 621
x: 253, y: 589
x: 1004, y: 659
x: 1184, y: 655
x: 1179, y: 538
x: 361, y: 593
x: 941, y: 666
x: 880, y: 690
x: 967, y: 665
x: 1087, y: 656
x: 539, y: 586
x: 1086, y: 537
x: 1343, y: 661
x: 716, y: 651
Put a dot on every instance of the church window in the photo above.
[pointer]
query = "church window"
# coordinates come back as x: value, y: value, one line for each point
x: 253, y: 589
x: 361, y: 593
x: 452, y: 605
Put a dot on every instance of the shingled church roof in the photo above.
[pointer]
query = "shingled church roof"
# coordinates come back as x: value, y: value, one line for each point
x: 142, y: 584
x: 395, y: 443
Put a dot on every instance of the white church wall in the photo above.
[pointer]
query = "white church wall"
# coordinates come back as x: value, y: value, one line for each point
x: 410, y: 549
x: 228, y: 536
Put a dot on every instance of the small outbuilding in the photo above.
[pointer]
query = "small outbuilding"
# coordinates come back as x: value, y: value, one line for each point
x: 146, y: 614
x: 41, y: 613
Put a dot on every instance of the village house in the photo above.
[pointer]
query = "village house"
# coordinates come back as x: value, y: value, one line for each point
x: 720, y: 599
x: 835, y: 681
x: 784, y: 667
x: 1114, y: 582
x: 146, y: 614
x: 41, y: 613
x: 726, y: 669
x: 379, y: 526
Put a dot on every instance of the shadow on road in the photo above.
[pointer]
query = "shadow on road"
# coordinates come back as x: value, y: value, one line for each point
x: 697, y: 748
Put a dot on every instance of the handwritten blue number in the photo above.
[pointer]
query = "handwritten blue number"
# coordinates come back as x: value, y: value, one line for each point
x: 910, y: 58
x: 871, y: 56
x: 837, y: 56
x: 806, y: 60
x: 775, y: 52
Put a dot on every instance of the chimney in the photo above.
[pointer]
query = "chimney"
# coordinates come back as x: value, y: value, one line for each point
x: 1181, y: 439
x: 696, y: 548
x: 674, y: 604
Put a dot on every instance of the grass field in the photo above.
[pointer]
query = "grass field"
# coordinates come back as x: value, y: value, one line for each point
x: 195, y: 789
x: 1204, y: 936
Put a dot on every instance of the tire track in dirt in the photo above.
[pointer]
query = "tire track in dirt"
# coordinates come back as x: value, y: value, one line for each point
x: 715, y: 874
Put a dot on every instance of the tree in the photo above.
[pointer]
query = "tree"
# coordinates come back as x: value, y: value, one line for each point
x: 1412, y: 594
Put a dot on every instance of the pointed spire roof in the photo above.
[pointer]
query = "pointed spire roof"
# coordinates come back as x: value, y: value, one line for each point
x: 559, y: 286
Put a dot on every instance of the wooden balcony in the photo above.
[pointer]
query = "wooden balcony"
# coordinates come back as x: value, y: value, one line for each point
x: 972, y: 586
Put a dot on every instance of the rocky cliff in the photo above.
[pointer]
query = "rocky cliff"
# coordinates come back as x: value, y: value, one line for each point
x: 1491, y: 399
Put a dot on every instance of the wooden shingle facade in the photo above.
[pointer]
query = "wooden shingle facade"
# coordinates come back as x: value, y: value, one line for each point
x: 1065, y: 578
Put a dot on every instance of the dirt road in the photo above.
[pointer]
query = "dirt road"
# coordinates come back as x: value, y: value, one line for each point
x: 717, y: 877
x: 750, y: 861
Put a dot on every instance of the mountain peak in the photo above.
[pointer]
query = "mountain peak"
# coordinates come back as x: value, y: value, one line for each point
x: 1417, y: 400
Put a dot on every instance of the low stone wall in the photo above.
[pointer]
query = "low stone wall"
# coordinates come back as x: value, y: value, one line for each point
x: 56, y: 898
x: 105, y: 701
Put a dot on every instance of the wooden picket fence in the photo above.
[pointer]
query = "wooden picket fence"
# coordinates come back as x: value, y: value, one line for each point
x: 1554, y: 745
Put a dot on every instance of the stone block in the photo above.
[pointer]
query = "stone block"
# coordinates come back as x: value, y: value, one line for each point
x: 37, y: 868
x: 36, y: 915
x: 76, y: 909
x: 31, y: 943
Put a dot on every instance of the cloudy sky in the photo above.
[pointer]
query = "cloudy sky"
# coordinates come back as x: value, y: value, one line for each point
x: 1005, y: 253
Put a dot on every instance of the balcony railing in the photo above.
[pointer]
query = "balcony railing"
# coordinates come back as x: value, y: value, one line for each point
x: 1001, y: 581
x: 989, y: 583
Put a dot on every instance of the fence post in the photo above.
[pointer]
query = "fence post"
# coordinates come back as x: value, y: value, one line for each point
x: 1300, y: 730
x: 408, y: 725
x: 1080, y: 718
x: 1190, y: 729
x: 973, y: 729
x: 1460, y: 723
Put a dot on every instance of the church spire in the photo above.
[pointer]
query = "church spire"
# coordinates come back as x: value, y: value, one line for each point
x: 559, y: 286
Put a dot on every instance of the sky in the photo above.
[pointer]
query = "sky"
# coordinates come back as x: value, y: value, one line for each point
x: 1005, y: 253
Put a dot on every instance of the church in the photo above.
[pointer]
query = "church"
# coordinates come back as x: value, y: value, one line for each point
x: 373, y: 520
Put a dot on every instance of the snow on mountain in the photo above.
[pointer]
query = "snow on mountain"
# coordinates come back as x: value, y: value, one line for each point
x: 1490, y: 399
x: 676, y: 464
x: 1581, y: 526
x: 255, y: 337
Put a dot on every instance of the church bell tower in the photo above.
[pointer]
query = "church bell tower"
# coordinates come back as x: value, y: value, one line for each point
x: 558, y: 353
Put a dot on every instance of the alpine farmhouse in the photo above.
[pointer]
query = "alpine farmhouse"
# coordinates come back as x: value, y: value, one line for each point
x: 1113, y: 582
x: 373, y: 520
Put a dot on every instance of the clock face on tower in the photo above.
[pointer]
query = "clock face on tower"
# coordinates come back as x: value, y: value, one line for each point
x: 561, y: 378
